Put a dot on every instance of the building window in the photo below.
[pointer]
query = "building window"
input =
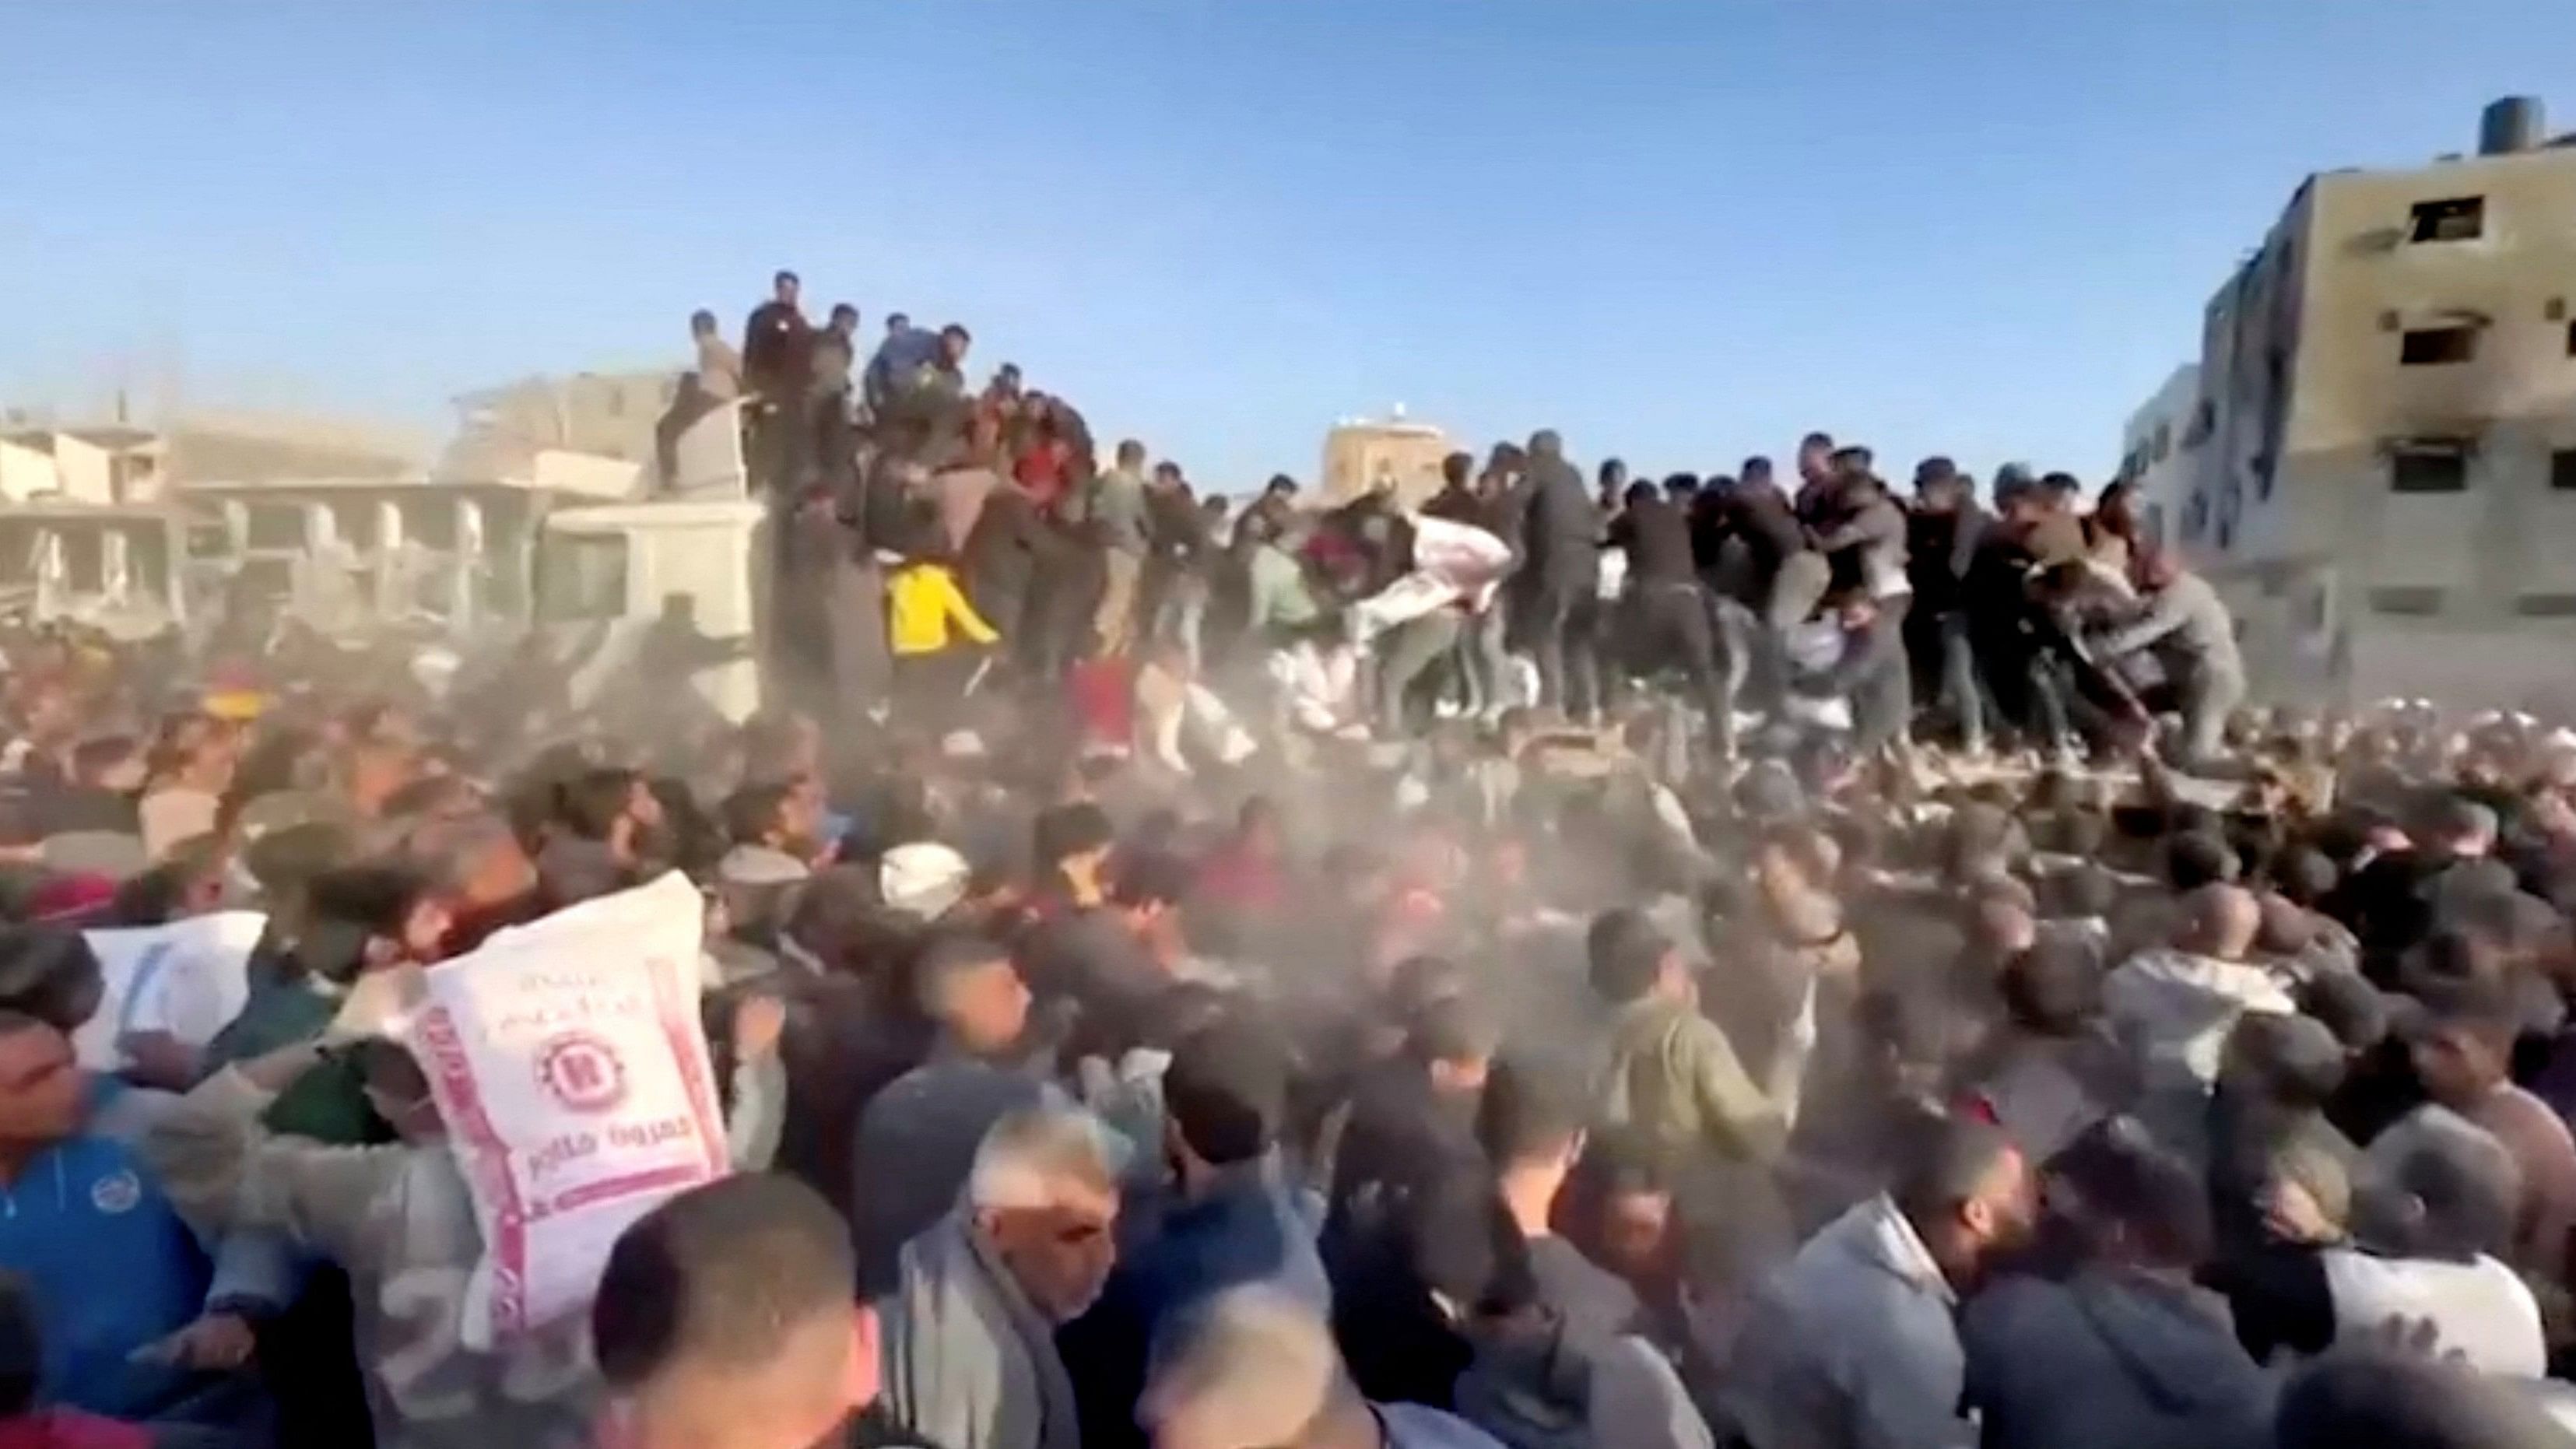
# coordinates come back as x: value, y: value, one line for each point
x: 2571, y: 339
x: 2562, y: 470
x: 2428, y: 470
x: 581, y: 577
x: 2406, y: 603
x: 2546, y: 606
x: 276, y: 525
x: 2163, y: 443
x: 429, y: 522
x: 2434, y: 346
x: 2459, y: 218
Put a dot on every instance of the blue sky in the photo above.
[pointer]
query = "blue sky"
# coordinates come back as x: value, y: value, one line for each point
x: 1680, y: 231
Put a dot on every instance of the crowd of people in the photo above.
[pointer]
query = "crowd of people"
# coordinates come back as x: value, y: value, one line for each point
x: 1232, y: 1012
x: 936, y: 539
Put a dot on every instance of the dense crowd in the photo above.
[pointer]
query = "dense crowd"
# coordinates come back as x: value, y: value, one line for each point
x: 1165, y: 993
x: 936, y: 541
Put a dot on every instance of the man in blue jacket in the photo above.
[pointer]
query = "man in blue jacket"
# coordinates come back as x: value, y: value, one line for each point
x: 1224, y: 1095
x: 142, y: 1320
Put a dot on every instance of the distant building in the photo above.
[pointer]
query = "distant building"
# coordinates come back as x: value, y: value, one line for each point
x: 2381, y: 464
x: 86, y: 526
x: 604, y: 414
x: 2156, y: 455
x: 1397, y: 454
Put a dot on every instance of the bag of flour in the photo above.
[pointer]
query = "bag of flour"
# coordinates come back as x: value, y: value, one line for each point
x: 567, y: 1059
x: 185, y: 980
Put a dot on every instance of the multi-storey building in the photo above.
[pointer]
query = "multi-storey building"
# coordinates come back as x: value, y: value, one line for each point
x: 2380, y: 467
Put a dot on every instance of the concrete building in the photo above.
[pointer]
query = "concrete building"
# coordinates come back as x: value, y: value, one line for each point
x: 2381, y: 462
x: 2155, y: 461
x: 1361, y: 455
x: 85, y: 527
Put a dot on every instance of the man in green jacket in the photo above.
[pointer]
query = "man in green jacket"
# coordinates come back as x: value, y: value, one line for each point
x: 1671, y: 1077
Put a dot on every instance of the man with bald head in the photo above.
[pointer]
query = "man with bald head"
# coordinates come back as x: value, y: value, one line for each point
x: 2173, y: 1006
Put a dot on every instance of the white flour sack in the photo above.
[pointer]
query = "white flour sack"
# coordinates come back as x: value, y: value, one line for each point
x: 567, y: 1059
x: 186, y: 979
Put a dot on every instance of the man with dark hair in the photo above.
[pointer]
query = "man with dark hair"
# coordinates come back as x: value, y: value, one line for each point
x: 1232, y: 1223
x: 1816, y: 475
x: 1173, y: 591
x: 1667, y: 607
x: 725, y: 1320
x: 1561, y: 580
x: 1855, y: 1344
x: 1547, y: 1315
x: 1753, y: 518
x: 917, y: 1139
x: 2463, y: 1053
x: 145, y: 1318
x: 1674, y: 1079
x: 777, y: 361
x: 1941, y: 542
x: 1407, y: 1237
x: 778, y: 343
x: 2114, y: 1346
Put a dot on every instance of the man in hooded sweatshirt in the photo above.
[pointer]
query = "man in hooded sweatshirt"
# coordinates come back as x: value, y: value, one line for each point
x: 2110, y: 1345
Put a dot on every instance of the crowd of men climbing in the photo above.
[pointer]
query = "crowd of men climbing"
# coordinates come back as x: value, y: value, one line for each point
x: 1403, y: 1065
x: 963, y: 532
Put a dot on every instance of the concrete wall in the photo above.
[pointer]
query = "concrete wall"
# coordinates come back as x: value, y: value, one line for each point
x: 25, y: 472
x: 83, y: 472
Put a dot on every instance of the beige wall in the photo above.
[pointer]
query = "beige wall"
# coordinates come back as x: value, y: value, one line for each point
x: 1359, y: 455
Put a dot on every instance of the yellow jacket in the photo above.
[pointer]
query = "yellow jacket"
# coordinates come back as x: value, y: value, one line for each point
x: 923, y: 603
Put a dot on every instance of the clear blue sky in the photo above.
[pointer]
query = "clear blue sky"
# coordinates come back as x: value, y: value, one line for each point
x: 1680, y: 231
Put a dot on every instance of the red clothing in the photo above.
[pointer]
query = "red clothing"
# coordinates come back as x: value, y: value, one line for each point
x: 1237, y: 877
x: 71, y: 1429
x: 1041, y: 474
x: 1103, y: 695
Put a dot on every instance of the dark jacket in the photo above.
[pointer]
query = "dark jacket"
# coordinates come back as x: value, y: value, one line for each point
x: 915, y: 1148
x: 1410, y: 1217
x: 2110, y: 1360
x: 1004, y: 552
x: 1243, y: 1229
x: 777, y: 350
x: 1655, y: 535
x: 1564, y: 528
x: 1761, y: 519
x: 1939, y: 549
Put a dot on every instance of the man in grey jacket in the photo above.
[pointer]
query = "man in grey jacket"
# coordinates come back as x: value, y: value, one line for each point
x: 399, y: 1219
x: 1855, y: 1344
x: 2193, y: 636
x: 970, y: 1356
